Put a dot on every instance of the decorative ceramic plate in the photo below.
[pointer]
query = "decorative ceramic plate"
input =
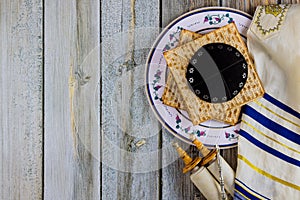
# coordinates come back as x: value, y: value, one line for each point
x: 203, y: 20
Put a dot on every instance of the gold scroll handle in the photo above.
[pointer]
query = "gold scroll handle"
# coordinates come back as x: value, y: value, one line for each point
x: 208, y: 155
x: 190, y: 164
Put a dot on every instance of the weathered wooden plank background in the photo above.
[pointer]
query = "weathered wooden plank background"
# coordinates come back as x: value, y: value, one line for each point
x: 21, y: 99
x: 71, y: 150
x: 74, y: 119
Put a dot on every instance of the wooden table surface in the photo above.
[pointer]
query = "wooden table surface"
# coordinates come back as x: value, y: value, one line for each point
x: 75, y: 122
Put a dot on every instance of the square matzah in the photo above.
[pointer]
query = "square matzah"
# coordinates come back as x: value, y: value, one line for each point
x: 171, y: 95
x: 199, y: 110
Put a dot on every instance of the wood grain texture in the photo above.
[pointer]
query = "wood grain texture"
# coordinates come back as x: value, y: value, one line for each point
x: 129, y: 171
x: 72, y: 68
x: 289, y: 1
x: 21, y: 91
x: 173, y: 9
x: 248, y: 6
x: 75, y: 122
x: 177, y: 185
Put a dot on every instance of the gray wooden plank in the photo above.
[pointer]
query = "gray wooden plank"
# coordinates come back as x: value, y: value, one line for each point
x: 177, y: 185
x: 289, y: 1
x: 248, y: 6
x: 129, y: 171
x: 172, y: 9
x: 21, y: 103
x: 72, y: 68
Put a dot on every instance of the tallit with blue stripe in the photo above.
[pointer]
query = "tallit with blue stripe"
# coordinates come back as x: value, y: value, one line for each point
x: 269, y: 141
x: 269, y: 151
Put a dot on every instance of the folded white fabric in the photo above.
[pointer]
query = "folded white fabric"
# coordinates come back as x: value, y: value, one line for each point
x: 269, y: 142
x: 269, y: 151
x: 274, y: 42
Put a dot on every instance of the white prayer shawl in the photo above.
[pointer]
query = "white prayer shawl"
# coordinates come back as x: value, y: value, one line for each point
x: 269, y: 142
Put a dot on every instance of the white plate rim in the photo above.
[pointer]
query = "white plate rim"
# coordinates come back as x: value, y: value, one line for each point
x: 152, y: 51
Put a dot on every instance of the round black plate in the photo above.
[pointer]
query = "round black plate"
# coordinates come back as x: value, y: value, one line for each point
x: 217, y: 72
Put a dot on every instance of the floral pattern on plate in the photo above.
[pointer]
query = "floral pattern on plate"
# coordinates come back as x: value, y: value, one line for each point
x: 176, y: 121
